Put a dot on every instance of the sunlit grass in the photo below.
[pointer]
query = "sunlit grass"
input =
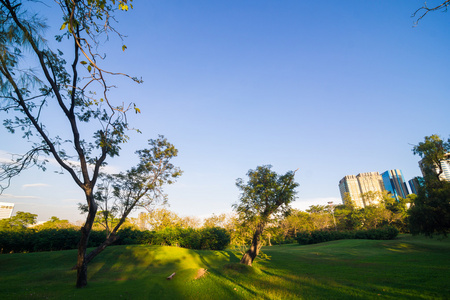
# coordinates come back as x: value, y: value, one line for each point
x: 406, y: 268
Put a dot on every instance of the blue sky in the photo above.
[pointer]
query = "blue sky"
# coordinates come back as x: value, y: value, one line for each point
x: 332, y: 88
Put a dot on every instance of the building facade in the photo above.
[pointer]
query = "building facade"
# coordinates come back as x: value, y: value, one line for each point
x: 6, y: 210
x: 349, y: 189
x: 445, y: 165
x: 414, y: 185
x: 357, y: 188
x: 394, y: 182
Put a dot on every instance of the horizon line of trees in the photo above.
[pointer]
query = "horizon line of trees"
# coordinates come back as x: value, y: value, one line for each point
x: 342, y: 217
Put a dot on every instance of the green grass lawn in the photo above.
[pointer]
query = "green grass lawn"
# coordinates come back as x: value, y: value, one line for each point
x: 405, y: 268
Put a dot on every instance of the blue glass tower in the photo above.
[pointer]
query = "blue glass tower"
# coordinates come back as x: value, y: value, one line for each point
x: 395, y: 184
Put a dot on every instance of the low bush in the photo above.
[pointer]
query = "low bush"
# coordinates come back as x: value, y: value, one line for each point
x: 319, y: 236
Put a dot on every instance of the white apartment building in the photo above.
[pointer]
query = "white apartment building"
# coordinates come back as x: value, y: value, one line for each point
x: 356, y: 186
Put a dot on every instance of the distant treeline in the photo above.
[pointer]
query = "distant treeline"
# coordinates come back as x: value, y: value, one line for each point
x: 29, y: 240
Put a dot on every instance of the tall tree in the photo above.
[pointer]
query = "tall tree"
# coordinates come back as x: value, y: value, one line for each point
x: 432, y: 151
x: 264, y: 195
x: 295, y: 222
x: 79, y: 92
x: 430, y: 212
x: 320, y: 217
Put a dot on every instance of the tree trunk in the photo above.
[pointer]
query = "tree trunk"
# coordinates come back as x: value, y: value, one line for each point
x: 251, y: 254
x: 112, y: 237
x: 109, y: 241
x: 85, y: 231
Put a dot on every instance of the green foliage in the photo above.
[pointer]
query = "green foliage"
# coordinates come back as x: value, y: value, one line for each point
x: 214, y: 238
x: 51, y: 82
x: 18, y: 222
x: 432, y: 151
x: 55, y: 223
x: 389, y: 212
x: 141, y: 186
x: 430, y: 212
x: 211, y: 238
x: 265, y: 194
x: 54, y: 239
x: 320, y: 236
x: 161, y: 218
x: 216, y: 221
x: 289, y: 226
x: 50, y: 239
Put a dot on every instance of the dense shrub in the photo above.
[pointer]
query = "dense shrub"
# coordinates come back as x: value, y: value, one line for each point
x: 29, y: 240
x: 319, y: 236
x: 280, y: 239
x: 15, y: 241
x: 206, y: 238
x: 214, y: 238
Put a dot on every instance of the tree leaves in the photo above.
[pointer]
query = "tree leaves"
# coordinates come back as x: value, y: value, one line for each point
x: 265, y: 193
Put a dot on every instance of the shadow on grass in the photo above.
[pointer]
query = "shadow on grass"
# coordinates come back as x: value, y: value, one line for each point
x: 405, y: 268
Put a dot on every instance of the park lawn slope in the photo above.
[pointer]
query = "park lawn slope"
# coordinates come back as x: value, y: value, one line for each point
x: 405, y: 268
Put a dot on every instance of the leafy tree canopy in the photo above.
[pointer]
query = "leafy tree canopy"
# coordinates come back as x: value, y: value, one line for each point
x: 432, y: 151
x: 265, y: 193
x: 20, y: 221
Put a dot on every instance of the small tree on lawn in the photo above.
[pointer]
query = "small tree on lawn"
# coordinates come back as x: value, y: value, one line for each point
x: 142, y: 186
x: 265, y: 195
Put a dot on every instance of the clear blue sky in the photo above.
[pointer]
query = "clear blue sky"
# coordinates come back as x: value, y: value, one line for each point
x: 332, y: 88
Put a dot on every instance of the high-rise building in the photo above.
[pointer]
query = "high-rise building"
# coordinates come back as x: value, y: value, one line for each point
x: 354, y: 188
x: 394, y: 183
x: 6, y: 210
x: 349, y: 188
x: 445, y: 165
x: 414, y: 185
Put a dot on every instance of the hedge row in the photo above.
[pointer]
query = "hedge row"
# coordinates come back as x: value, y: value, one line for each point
x: 29, y: 240
x: 318, y: 236
x: 63, y: 239
x: 214, y: 238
